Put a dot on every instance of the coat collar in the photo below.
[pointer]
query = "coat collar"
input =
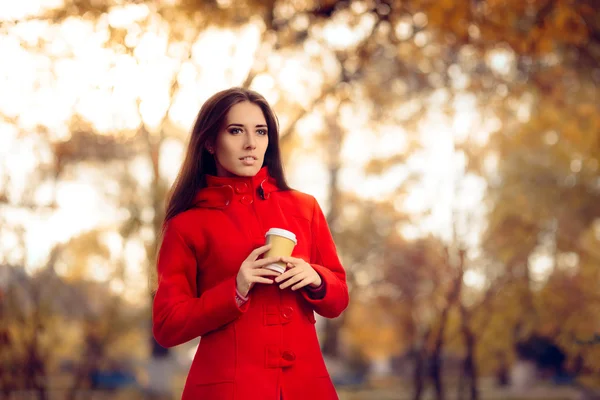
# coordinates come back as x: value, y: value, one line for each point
x: 220, y: 191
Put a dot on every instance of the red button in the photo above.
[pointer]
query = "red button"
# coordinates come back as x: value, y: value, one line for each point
x: 241, y: 188
x: 288, y: 356
x: 246, y: 199
x: 287, y: 312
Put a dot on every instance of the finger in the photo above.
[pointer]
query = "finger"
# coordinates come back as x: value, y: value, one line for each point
x: 288, y: 274
x: 258, y: 279
x: 291, y: 266
x: 292, y: 280
x: 265, y: 272
x: 301, y: 284
x: 258, y: 251
x: 292, y: 260
x: 265, y: 261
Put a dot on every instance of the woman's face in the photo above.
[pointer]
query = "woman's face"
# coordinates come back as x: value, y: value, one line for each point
x: 242, y: 141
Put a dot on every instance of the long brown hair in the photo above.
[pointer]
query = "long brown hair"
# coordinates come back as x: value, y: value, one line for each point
x: 198, y: 161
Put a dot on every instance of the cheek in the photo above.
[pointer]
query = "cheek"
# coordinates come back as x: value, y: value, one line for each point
x: 224, y: 148
x: 264, y: 145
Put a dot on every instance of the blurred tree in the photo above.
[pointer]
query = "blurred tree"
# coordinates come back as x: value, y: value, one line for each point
x: 362, y: 230
x: 44, y: 315
x: 533, y: 66
x: 544, y: 211
x: 427, y: 282
x: 184, y: 30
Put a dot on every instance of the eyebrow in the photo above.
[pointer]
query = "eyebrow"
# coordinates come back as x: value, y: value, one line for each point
x: 241, y: 126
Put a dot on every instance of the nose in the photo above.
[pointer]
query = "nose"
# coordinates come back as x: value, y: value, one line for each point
x: 250, y: 142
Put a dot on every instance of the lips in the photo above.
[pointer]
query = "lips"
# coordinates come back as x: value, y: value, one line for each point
x: 248, y: 161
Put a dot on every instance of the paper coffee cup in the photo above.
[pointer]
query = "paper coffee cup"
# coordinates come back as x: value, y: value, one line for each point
x: 283, y: 243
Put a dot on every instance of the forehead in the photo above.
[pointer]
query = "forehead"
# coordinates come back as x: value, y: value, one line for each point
x: 245, y: 113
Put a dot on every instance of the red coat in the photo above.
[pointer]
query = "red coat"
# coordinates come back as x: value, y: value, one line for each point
x: 268, y: 347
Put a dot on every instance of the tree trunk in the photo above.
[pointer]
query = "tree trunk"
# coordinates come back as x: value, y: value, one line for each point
x: 42, y: 392
x: 35, y: 368
x: 332, y: 326
x: 157, y: 195
x: 420, y: 357
x: 6, y: 380
x: 435, y: 361
x: 474, y: 382
x: 331, y: 342
x: 435, y: 370
x: 469, y: 366
x: 420, y: 360
x: 460, y: 387
x: 435, y: 373
x: 35, y: 371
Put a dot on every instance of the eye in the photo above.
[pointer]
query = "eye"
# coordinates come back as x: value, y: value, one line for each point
x: 235, y: 131
x: 262, y: 132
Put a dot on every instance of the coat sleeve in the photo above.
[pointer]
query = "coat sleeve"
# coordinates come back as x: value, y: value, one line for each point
x: 179, y: 313
x: 325, y: 261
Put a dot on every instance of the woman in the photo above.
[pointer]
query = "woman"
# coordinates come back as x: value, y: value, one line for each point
x: 257, y: 325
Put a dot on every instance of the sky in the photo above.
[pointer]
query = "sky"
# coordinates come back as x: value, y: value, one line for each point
x: 103, y: 87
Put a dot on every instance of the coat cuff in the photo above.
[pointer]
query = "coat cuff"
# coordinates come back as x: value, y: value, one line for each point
x: 239, y: 298
x: 223, y: 296
x: 335, y: 299
x: 318, y: 292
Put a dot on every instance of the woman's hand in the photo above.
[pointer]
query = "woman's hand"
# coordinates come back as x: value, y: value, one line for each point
x: 252, y: 271
x: 299, y: 273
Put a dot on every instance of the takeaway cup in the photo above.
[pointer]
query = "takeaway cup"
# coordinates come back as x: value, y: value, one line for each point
x: 283, y: 243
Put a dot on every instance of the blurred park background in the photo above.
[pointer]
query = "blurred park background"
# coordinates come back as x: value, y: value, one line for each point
x: 454, y: 144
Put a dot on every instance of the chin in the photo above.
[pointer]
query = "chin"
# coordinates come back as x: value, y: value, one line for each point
x: 245, y: 171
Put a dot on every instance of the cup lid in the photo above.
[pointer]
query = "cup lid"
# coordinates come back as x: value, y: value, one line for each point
x: 282, y: 232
